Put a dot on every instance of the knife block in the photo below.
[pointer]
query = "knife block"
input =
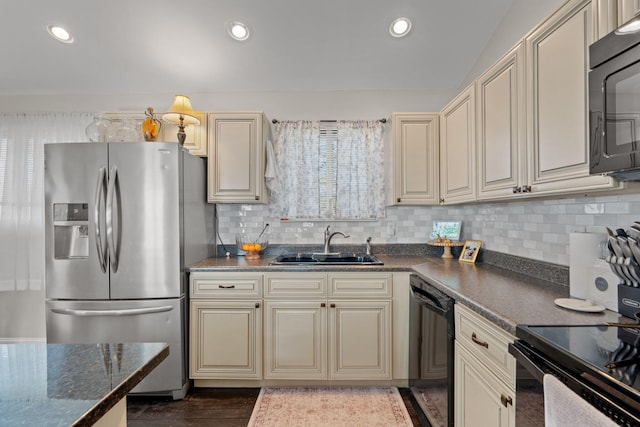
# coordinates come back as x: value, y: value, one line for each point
x: 628, y: 300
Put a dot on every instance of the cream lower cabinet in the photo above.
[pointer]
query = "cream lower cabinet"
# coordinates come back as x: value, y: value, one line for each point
x: 328, y: 326
x: 225, y: 326
x: 478, y: 394
x: 484, y: 372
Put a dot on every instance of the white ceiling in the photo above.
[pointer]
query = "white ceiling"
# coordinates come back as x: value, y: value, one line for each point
x: 160, y: 46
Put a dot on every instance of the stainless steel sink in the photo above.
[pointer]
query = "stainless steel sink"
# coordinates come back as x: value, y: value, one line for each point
x: 326, y: 259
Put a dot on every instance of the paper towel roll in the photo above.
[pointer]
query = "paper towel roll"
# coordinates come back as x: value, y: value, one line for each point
x: 584, y: 249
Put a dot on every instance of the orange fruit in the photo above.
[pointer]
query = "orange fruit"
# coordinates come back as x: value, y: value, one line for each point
x: 258, y: 246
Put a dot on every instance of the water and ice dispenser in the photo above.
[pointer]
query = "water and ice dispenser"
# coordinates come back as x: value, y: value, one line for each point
x: 71, y: 230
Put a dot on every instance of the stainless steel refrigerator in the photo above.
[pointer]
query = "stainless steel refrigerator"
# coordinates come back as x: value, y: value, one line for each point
x: 122, y: 221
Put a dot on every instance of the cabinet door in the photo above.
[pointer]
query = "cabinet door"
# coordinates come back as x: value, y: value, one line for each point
x: 295, y: 340
x: 501, y: 127
x: 480, y: 398
x: 558, y: 137
x: 457, y: 149
x: 196, y: 135
x: 605, y: 16
x: 225, y: 340
x: 360, y: 339
x: 236, y: 158
x: 627, y: 9
x: 416, y: 158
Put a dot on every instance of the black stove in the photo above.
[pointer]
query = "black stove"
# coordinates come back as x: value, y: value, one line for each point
x: 600, y: 363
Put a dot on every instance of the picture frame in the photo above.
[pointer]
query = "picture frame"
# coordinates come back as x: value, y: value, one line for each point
x: 470, y: 251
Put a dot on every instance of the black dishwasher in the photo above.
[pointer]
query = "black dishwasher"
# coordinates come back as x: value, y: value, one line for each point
x: 431, y: 346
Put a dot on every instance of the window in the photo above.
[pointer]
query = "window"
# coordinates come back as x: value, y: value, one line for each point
x: 328, y: 170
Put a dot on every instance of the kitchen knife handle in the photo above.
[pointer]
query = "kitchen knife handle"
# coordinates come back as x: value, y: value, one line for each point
x: 100, y: 196
x: 111, y: 245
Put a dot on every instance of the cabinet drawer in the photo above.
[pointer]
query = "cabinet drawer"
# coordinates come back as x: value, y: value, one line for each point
x: 360, y: 285
x: 487, y: 342
x: 227, y: 285
x: 290, y: 285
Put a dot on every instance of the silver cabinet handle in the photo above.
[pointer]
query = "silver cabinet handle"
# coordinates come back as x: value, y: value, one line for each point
x: 111, y: 192
x: 100, y: 196
x: 116, y: 313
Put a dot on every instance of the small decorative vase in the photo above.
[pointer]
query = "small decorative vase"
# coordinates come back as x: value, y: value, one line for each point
x: 150, y: 126
x: 98, y: 130
x: 127, y: 131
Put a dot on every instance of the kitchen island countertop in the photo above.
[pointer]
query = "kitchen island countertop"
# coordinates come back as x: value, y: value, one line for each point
x: 70, y: 384
x: 504, y: 297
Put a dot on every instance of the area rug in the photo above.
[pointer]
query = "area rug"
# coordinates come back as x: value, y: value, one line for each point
x: 329, y: 406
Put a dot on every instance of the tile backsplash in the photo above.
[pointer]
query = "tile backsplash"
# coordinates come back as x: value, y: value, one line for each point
x: 536, y: 228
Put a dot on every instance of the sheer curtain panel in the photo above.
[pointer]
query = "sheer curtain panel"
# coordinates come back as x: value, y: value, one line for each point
x: 329, y: 170
x: 360, y: 170
x: 296, y: 191
x: 22, y: 139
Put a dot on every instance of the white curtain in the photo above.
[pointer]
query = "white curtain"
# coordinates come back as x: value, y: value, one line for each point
x: 296, y: 191
x: 327, y: 171
x: 360, y: 170
x: 22, y: 139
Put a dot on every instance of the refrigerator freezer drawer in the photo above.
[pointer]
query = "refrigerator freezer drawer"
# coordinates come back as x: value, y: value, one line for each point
x: 127, y: 321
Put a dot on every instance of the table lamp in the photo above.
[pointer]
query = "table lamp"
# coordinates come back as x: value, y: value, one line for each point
x: 181, y: 114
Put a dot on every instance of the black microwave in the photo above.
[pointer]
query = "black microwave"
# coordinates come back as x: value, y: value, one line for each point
x: 614, y: 105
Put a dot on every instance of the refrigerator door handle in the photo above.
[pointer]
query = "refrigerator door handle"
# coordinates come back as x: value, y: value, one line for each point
x: 100, y: 195
x: 111, y: 192
x: 116, y: 313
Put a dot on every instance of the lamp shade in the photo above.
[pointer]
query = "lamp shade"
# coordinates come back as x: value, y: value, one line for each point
x: 181, y: 107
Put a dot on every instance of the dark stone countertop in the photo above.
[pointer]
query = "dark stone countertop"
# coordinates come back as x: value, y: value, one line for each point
x: 504, y: 297
x: 70, y: 384
x: 239, y: 263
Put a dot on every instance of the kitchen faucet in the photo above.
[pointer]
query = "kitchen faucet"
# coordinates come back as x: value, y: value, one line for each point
x: 328, y: 236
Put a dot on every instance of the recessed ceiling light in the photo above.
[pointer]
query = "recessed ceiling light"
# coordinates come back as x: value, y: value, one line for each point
x: 400, y: 27
x: 60, y: 34
x: 238, y: 31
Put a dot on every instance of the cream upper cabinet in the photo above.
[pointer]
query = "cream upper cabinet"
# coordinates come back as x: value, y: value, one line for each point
x: 196, y: 135
x: 236, y: 158
x: 457, y: 149
x: 415, y: 159
x: 557, y: 113
x: 501, y: 136
x: 627, y: 9
x: 605, y: 16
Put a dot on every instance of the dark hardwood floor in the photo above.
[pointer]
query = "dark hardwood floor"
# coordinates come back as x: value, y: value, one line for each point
x: 220, y: 407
